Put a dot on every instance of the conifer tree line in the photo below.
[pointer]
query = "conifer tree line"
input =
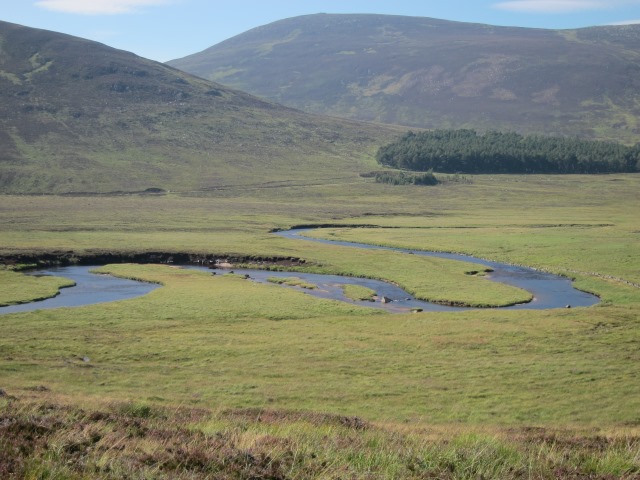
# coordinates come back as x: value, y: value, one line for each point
x: 466, y: 151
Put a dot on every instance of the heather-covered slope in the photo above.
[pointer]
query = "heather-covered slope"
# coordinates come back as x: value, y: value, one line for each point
x: 439, y: 74
x: 76, y: 115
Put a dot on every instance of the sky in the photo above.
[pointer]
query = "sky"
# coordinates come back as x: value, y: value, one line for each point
x: 167, y: 29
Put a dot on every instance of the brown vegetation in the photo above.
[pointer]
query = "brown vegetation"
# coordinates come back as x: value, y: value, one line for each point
x: 40, y: 437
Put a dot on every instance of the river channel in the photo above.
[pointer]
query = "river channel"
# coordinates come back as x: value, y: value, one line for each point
x: 548, y: 290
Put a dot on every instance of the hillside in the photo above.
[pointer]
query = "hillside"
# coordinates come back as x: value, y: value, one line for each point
x: 78, y: 116
x: 439, y: 74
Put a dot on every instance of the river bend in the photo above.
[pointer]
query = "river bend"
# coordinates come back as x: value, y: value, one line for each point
x: 549, y: 291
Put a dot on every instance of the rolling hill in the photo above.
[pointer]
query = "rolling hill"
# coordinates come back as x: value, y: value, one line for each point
x: 78, y: 116
x: 424, y: 72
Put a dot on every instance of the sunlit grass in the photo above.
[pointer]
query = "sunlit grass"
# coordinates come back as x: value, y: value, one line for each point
x: 464, y: 380
x: 224, y: 340
x: 19, y: 288
x: 358, y: 293
x: 292, y: 282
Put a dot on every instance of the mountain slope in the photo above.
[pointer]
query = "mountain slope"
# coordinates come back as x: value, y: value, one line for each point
x: 439, y: 74
x: 76, y: 115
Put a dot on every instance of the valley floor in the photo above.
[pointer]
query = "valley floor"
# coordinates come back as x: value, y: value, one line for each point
x: 214, y: 376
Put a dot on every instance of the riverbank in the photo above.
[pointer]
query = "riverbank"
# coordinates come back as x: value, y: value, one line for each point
x: 22, y: 261
x: 545, y: 290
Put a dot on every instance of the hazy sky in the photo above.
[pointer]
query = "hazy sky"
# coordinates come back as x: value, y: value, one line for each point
x: 168, y: 29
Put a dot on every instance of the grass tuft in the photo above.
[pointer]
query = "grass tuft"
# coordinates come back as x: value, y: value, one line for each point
x: 358, y: 293
x: 292, y: 282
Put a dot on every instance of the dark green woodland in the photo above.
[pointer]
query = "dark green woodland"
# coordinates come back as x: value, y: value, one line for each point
x: 466, y: 151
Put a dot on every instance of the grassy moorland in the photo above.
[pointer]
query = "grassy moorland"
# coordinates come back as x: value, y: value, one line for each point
x: 216, y: 375
x: 134, y: 440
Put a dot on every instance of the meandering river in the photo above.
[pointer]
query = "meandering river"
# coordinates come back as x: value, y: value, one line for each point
x: 548, y: 290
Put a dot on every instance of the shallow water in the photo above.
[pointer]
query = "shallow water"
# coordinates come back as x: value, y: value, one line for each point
x: 330, y: 287
x: 549, y: 291
x: 91, y: 288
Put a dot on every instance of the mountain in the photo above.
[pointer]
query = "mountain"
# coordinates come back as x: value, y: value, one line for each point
x: 78, y: 116
x: 423, y: 72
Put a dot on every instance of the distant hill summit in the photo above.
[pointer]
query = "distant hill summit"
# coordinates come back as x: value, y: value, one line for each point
x: 432, y: 73
x: 78, y: 116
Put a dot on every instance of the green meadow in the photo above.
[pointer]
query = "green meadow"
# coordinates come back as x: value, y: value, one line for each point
x: 345, y: 391
x: 18, y: 288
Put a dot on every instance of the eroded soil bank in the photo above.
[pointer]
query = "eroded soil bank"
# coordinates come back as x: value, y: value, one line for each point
x: 52, y: 259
